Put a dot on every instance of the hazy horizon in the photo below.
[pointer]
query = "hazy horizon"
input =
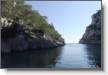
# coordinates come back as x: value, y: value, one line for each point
x: 70, y: 18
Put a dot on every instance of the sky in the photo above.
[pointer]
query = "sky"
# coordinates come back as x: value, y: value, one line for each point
x: 70, y: 18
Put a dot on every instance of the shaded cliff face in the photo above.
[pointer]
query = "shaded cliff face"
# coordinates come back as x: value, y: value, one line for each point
x: 26, y: 29
x: 92, y: 34
x: 15, y: 38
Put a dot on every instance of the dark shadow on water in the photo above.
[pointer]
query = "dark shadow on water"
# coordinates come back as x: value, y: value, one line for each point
x: 94, y: 55
x: 31, y: 59
x: 47, y: 59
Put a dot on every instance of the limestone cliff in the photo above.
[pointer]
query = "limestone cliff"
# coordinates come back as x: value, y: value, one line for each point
x: 92, y: 34
x: 15, y: 38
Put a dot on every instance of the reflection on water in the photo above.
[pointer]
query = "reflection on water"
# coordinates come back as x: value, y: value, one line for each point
x: 94, y: 55
x: 69, y: 56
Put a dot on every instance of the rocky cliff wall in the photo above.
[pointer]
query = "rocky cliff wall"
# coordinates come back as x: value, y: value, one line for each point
x: 15, y: 39
x: 92, y: 34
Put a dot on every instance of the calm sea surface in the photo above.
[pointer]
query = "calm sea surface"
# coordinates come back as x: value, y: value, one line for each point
x: 70, y: 56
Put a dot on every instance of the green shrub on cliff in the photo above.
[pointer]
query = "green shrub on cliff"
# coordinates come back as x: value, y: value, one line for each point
x: 16, y: 11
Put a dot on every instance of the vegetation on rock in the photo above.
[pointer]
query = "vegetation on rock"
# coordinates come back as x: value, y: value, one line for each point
x: 23, y: 28
x: 17, y: 11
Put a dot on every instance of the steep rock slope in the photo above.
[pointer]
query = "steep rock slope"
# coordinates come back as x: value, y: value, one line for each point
x: 15, y: 38
x: 23, y: 28
x: 92, y: 34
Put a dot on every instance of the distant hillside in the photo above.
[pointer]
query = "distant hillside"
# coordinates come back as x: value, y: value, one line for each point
x: 92, y: 34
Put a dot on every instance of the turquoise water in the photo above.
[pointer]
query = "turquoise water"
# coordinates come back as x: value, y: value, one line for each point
x: 69, y: 56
